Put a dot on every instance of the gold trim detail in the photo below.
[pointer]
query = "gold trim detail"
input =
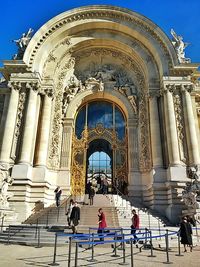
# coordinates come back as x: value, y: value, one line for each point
x: 79, y: 153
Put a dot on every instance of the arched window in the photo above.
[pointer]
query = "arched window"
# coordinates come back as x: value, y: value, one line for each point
x: 100, y: 112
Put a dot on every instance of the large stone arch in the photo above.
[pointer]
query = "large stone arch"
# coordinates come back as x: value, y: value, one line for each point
x: 124, y: 38
x: 119, y: 20
x: 60, y: 71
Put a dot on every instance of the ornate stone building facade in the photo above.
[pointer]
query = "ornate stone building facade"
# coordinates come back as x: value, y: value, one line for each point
x: 100, y: 54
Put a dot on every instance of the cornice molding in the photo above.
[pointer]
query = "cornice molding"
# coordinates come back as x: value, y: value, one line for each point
x: 117, y: 16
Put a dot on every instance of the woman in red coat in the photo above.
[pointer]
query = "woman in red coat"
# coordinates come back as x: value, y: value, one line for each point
x: 135, y: 225
x: 102, y: 222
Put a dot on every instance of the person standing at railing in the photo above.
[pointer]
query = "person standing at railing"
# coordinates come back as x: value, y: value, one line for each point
x: 102, y: 222
x: 58, y: 193
x: 135, y: 225
x: 186, y: 233
x: 75, y: 217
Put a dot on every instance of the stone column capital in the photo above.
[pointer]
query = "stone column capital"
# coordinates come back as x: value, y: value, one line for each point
x: 154, y: 94
x: 15, y: 85
x: 47, y: 88
x: 68, y: 123
x: 33, y: 85
x: 187, y: 88
x: 170, y: 87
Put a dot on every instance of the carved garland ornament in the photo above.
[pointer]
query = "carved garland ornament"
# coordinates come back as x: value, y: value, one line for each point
x: 178, y: 107
x: 20, y: 109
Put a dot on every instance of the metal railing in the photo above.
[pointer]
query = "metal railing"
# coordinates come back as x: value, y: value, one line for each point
x: 44, y: 213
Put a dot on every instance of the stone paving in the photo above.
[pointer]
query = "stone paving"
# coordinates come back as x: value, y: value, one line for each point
x: 19, y: 256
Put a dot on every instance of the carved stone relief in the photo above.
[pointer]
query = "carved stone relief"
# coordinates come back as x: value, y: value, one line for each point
x: 96, y: 80
x: 56, y: 134
x: 52, y: 58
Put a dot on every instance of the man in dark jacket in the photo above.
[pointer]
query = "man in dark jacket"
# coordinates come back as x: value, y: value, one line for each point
x: 58, y: 193
x: 75, y: 217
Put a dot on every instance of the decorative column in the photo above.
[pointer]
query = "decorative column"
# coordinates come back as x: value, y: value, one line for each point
x: 192, y: 140
x: 133, y: 145
x: 9, y: 126
x: 44, y: 132
x: 66, y: 144
x: 155, y: 130
x: 4, y: 115
x: 30, y: 126
x: 171, y: 130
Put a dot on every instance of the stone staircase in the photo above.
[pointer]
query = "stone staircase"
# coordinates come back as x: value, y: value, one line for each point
x: 89, y: 217
x: 117, y: 211
x: 53, y: 219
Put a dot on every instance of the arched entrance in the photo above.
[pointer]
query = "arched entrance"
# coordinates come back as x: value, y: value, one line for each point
x: 100, y: 164
x: 100, y: 131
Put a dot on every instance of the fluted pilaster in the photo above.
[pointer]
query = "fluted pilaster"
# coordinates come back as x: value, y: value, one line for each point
x: 133, y: 145
x: 44, y: 131
x: 155, y: 130
x: 171, y: 129
x: 30, y: 126
x: 9, y: 127
x: 191, y: 134
x: 66, y: 144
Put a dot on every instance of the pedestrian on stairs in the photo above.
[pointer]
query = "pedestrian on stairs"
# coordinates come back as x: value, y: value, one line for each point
x: 68, y: 210
x: 102, y: 222
x: 135, y: 225
x: 58, y: 193
x: 75, y: 217
x: 91, y: 195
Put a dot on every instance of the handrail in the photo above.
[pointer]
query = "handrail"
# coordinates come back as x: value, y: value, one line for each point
x: 119, y: 192
x: 146, y: 209
x: 46, y: 210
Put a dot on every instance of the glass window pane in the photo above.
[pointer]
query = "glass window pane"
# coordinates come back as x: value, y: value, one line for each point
x: 80, y: 122
x: 95, y: 156
x: 119, y: 124
x: 103, y: 156
x: 100, y: 112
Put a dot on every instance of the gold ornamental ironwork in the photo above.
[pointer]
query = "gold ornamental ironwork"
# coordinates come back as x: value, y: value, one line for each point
x: 79, y: 156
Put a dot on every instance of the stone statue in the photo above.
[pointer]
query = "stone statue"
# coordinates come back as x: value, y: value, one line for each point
x: 189, y: 198
x: 180, y: 46
x: 191, y: 192
x: 22, y: 44
x: 73, y: 87
x: 103, y: 73
x: 133, y: 99
x: 4, y: 195
x: 94, y: 84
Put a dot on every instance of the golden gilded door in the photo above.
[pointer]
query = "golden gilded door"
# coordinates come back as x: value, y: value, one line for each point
x: 79, y: 156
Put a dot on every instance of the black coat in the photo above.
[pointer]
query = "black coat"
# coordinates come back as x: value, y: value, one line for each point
x: 75, y: 214
x: 186, y: 233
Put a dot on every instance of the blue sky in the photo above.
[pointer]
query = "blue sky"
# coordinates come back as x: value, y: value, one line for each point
x: 18, y: 15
